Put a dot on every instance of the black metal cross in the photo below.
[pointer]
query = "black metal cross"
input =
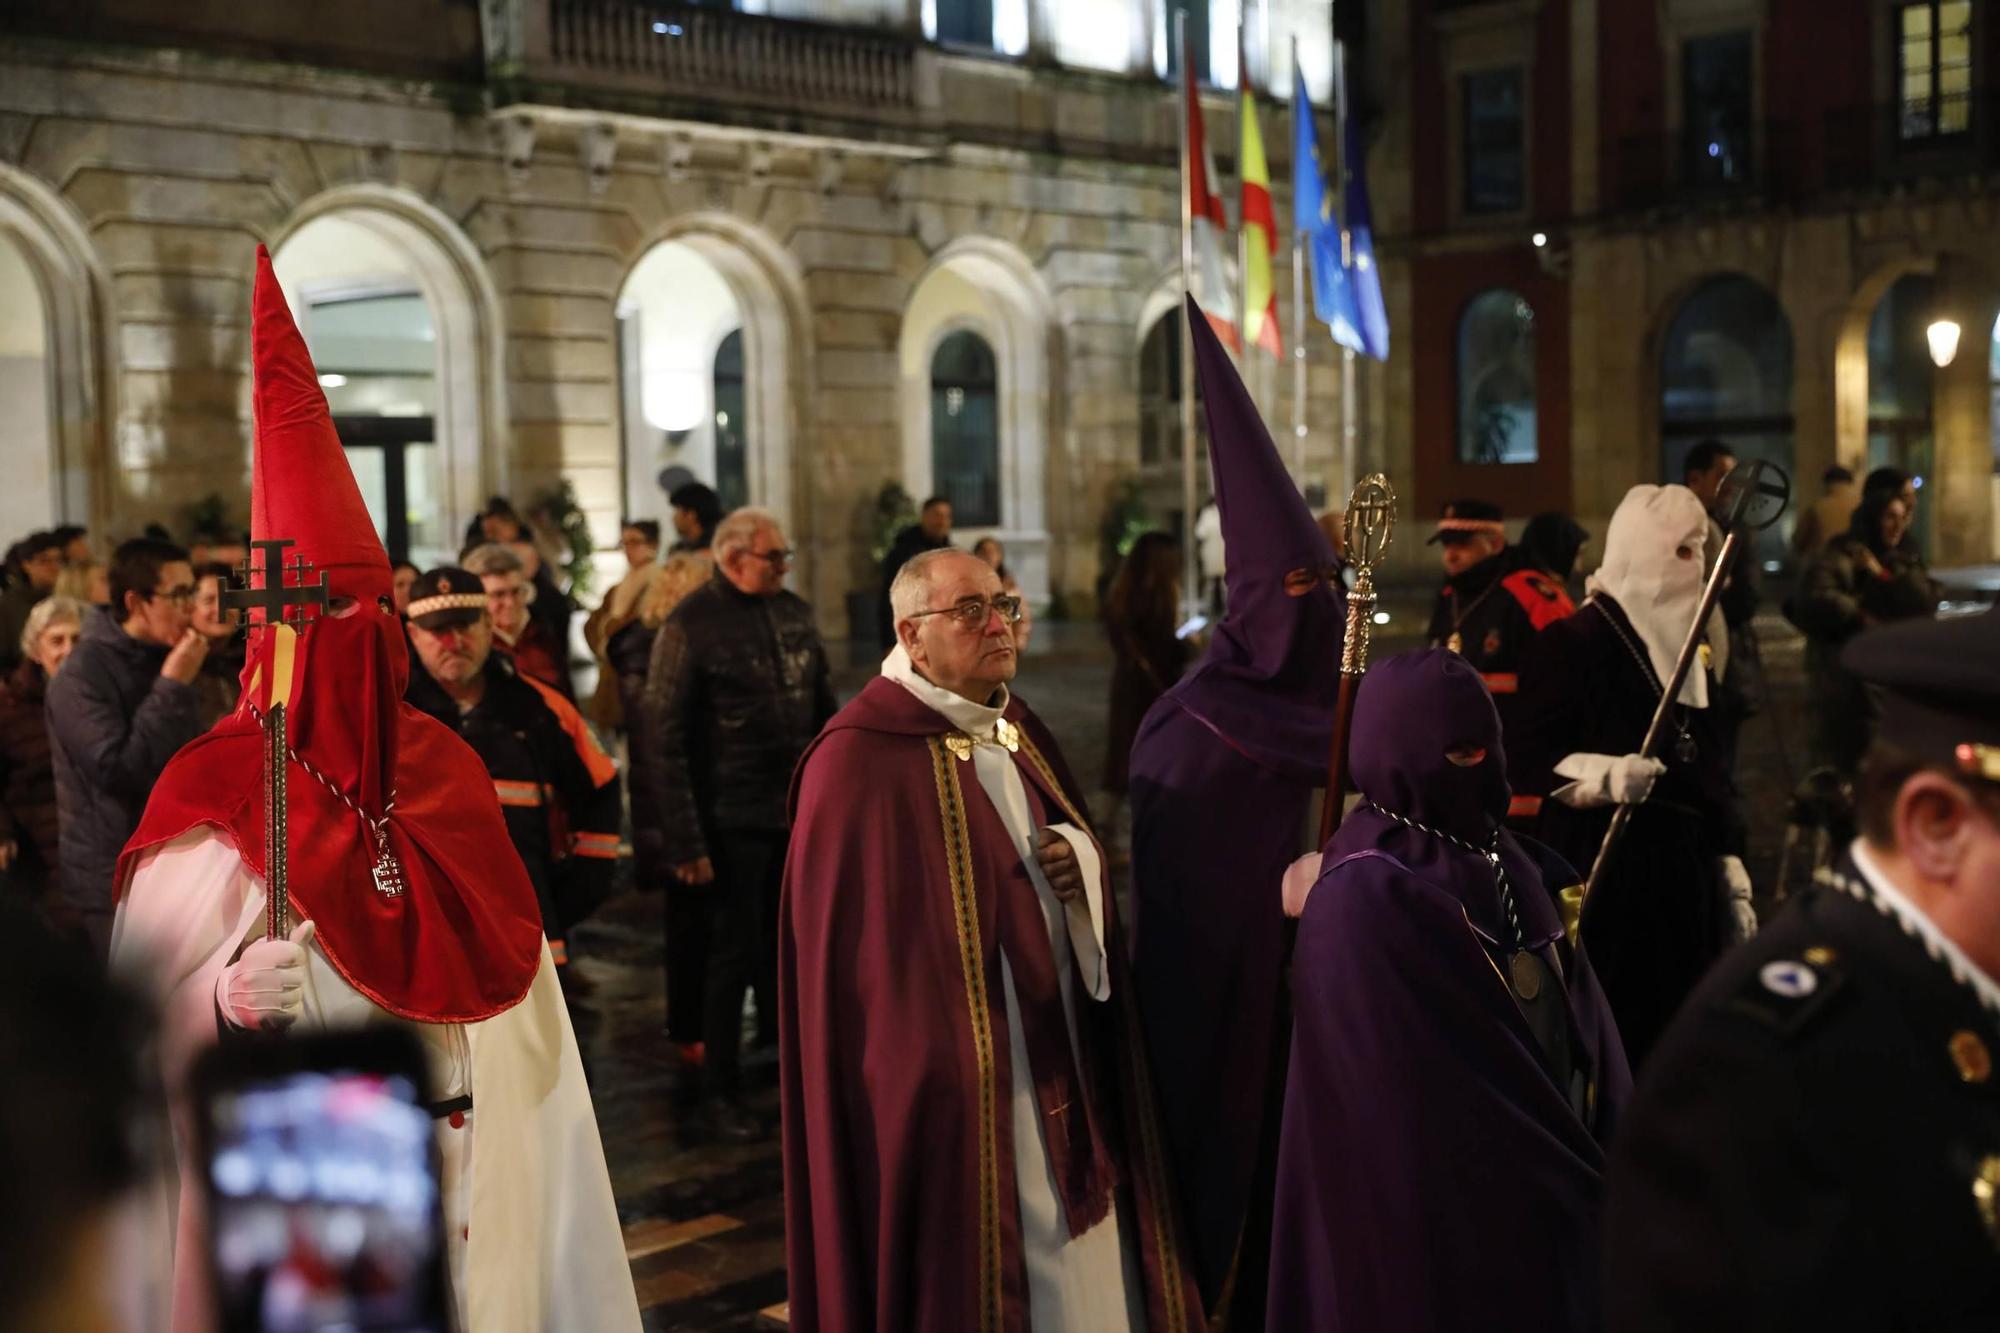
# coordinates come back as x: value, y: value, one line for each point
x: 278, y: 602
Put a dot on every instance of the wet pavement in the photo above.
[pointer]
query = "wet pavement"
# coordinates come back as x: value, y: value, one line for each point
x: 704, y: 1221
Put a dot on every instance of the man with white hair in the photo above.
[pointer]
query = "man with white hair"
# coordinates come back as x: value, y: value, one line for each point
x: 970, y: 1139
x: 738, y: 685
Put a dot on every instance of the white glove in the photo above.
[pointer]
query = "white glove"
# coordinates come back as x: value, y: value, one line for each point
x: 1300, y: 876
x: 1606, y: 779
x: 1736, y: 881
x: 264, y: 987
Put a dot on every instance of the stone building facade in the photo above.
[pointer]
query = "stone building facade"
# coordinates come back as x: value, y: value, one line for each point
x: 462, y: 201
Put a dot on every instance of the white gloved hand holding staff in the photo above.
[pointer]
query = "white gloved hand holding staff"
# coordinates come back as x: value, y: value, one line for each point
x: 265, y: 987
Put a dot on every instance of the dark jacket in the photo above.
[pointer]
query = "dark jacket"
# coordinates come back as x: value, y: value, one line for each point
x: 114, y: 722
x: 1839, y: 594
x: 629, y: 654
x: 911, y: 541
x: 558, y: 791
x: 27, y: 780
x: 1147, y: 659
x: 1489, y: 616
x: 219, y: 685
x: 15, y: 604
x: 1817, y: 1142
x: 738, y: 686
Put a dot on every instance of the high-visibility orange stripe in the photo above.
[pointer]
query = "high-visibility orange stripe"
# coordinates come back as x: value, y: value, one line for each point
x: 601, y: 845
x: 598, y: 763
x: 524, y: 794
x: 1502, y: 682
x: 1524, y: 807
x: 559, y: 953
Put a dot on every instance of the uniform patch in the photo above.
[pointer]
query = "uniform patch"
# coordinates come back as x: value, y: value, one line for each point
x: 1794, y: 981
x: 1784, y: 993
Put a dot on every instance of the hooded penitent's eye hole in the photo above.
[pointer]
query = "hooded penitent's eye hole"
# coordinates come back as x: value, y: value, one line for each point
x: 1684, y: 552
x: 341, y: 607
x: 1301, y: 581
x: 385, y: 606
x: 1466, y: 756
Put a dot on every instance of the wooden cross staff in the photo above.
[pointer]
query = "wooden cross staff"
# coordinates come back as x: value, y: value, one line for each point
x: 1370, y: 524
x: 285, y: 609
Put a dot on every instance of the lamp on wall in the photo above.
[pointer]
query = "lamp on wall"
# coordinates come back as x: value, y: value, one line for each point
x: 1942, y: 335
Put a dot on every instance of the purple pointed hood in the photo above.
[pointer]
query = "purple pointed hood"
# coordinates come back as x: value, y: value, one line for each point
x: 1272, y: 672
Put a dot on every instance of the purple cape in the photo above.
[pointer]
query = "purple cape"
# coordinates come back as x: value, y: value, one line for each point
x: 901, y: 1208
x: 1222, y: 774
x: 1432, y: 1173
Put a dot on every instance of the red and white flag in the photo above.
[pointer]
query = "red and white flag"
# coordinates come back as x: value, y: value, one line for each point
x: 1208, y: 278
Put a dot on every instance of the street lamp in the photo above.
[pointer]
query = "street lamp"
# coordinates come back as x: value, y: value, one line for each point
x: 1943, y: 338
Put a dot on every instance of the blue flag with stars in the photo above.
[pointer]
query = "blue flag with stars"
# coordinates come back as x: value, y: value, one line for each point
x: 1363, y: 277
x: 1318, y: 229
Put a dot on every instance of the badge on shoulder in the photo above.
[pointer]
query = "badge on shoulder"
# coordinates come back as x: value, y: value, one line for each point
x: 1786, y: 993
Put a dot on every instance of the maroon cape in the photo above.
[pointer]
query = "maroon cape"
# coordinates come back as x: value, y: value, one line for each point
x: 900, y: 1202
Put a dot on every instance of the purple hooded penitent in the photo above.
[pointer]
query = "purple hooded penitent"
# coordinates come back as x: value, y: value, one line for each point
x: 1440, y: 1167
x: 1222, y: 776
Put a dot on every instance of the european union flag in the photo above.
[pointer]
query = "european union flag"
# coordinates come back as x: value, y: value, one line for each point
x: 1318, y: 229
x: 1363, y: 276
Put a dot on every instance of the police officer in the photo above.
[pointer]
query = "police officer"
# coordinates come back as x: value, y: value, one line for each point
x: 557, y: 787
x: 1493, y: 602
x: 1816, y: 1142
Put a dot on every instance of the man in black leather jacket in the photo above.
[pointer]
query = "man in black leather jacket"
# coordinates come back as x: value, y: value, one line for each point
x: 739, y: 685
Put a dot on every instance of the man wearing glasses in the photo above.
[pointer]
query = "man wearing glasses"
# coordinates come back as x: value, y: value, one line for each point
x: 969, y: 1130
x: 737, y: 687
x: 121, y: 706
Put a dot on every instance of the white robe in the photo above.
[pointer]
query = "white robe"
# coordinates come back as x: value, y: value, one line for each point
x: 530, y: 1223
x: 1092, y: 1283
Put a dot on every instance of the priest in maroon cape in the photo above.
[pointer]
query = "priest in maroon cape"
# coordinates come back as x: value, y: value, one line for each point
x: 1223, y: 775
x: 1455, y: 1071
x: 969, y: 1137
x: 407, y: 903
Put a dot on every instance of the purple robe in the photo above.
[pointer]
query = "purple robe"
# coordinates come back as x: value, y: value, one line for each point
x: 901, y: 1209
x: 1222, y: 777
x: 1436, y: 1171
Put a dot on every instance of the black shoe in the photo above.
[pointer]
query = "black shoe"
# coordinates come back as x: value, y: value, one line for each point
x: 726, y: 1119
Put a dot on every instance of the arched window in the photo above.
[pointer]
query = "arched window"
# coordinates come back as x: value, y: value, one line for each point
x: 965, y: 429
x: 1726, y: 374
x: 1496, y: 379
x: 28, y: 500
x: 732, y: 448
x: 1900, y: 385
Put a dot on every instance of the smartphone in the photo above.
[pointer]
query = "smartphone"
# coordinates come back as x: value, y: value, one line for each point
x: 1192, y: 626
x: 321, y: 1165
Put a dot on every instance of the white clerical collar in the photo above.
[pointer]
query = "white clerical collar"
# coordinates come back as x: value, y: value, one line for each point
x: 1936, y: 942
x: 978, y: 720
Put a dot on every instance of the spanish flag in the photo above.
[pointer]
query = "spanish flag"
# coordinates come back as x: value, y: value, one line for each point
x: 1260, y: 235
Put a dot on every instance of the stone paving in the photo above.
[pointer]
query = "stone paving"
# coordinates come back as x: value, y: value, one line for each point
x: 704, y: 1222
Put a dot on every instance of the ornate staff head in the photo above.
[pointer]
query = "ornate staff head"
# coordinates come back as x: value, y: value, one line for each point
x: 1370, y: 525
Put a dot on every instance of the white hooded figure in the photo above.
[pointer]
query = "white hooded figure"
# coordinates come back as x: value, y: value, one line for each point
x: 1674, y: 892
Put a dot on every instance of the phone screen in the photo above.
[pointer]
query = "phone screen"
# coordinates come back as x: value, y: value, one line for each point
x: 323, y: 1202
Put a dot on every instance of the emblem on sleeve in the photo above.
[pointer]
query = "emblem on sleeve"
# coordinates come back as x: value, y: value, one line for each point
x: 1794, y: 981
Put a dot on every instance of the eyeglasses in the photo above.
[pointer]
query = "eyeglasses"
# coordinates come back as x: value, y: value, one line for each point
x: 973, y: 611
x: 180, y: 596
x: 778, y: 557
x: 517, y: 593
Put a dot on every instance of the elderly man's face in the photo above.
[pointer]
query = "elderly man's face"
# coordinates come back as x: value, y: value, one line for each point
x: 760, y: 570
x: 1461, y: 554
x: 936, y: 521
x: 965, y: 644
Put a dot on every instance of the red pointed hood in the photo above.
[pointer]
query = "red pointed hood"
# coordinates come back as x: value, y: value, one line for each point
x: 301, y: 485
x: 373, y: 781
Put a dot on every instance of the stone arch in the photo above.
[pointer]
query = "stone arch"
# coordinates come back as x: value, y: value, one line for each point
x: 77, y: 347
x: 989, y: 287
x: 770, y: 296
x: 473, y: 428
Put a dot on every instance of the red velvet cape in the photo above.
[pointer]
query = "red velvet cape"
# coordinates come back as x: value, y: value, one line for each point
x: 901, y: 1209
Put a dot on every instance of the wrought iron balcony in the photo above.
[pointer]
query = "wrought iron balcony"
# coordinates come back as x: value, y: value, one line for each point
x: 657, y: 58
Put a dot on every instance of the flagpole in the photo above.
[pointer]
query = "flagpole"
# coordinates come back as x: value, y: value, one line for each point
x: 1349, y: 423
x: 1298, y: 290
x: 1244, y: 108
x: 1190, y: 568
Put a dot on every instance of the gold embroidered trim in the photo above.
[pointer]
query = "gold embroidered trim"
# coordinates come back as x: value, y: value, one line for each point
x: 1049, y: 780
x: 958, y: 860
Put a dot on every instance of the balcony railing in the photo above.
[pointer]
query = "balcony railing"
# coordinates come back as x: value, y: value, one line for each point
x: 708, y: 56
